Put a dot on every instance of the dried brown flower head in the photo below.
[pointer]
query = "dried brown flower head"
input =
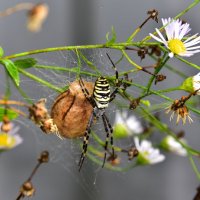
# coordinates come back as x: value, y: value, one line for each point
x: 37, y: 16
x: 155, y: 49
x: 38, y: 112
x: 153, y: 14
x: 132, y: 153
x: 6, y: 125
x: 71, y: 110
x: 27, y: 189
x: 142, y: 52
x: 159, y: 78
x: 114, y: 160
x: 134, y: 104
x: 44, y: 157
x: 180, y: 109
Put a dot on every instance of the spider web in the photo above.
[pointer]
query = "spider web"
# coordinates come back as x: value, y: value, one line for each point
x: 66, y: 153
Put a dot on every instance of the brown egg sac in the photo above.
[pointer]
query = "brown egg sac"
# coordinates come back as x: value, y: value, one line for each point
x: 71, y: 110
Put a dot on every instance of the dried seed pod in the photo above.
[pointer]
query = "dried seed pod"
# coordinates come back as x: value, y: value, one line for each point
x: 38, y: 112
x: 37, y: 16
x: 44, y: 157
x: 159, y: 78
x: 71, y: 110
x: 114, y: 160
x: 132, y: 153
x: 134, y: 104
x: 6, y: 125
x: 27, y: 189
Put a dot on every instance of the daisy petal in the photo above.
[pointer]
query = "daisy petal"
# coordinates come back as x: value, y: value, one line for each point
x: 161, y: 36
x: 175, y: 31
x: 195, y: 47
x: 190, y: 38
x: 155, y: 38
x: 193, y: 42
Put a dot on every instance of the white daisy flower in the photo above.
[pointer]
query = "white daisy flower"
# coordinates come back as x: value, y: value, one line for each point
x: 11, y: 139
x: 176, y: 30
x: 170, y: 144
x: 147, y: 154
x: 125, y: 126
x: 196, y: 83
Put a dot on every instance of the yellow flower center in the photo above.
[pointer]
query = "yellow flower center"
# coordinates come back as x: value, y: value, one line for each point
x: 176, y: 46
x: 6, y: 141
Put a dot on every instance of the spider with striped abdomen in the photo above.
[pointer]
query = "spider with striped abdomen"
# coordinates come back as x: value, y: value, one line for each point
x: 100, y: 99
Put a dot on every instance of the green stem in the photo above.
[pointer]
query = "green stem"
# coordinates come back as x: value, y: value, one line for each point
x: 169, y: 90
x: 157, y: 70
x: 71, y: 48
x: 188, y: 63
x: 194, y: 167
x: 35, y: 78
x: 24, y: 95
x: 172, y: 68
x: 187, y: 9
x: 131, y: 61
x: 89, y: 63
x: 134, y: 34
x: 7, y: 86
x: 52, y: 49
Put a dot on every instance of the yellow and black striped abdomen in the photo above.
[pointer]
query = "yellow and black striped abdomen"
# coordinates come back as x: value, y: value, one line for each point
x: 101, y: 92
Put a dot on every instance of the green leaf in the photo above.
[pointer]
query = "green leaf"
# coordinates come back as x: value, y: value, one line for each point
x: 25, y: 63
x: 113, y: 37
x: 12, y: 70
x: 1, y: 52
x: 10, y: 113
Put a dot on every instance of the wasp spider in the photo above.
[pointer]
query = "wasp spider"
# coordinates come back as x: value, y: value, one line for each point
x: 100, y: 99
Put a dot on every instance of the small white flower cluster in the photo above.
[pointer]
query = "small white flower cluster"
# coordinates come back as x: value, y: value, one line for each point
x: 176, y: 31
x: 147, y: 153
x: 126, y: 126
x: 11, y: 139
x: 170, y: 144
x: 130, y: 126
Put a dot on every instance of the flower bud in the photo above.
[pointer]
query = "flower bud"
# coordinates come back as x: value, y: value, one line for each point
x: 120, y: 131
x: 171, y: 145
x: 192, y: 84
x: 1, y: 52
x: 196, y: 83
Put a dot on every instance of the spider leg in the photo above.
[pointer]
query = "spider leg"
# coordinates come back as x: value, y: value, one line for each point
x: 86, y: 92
x: 116, y: 72
x: 113, y: 94
x: 117, y: 81
x: 86, y: 140
x: 109, y: 131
